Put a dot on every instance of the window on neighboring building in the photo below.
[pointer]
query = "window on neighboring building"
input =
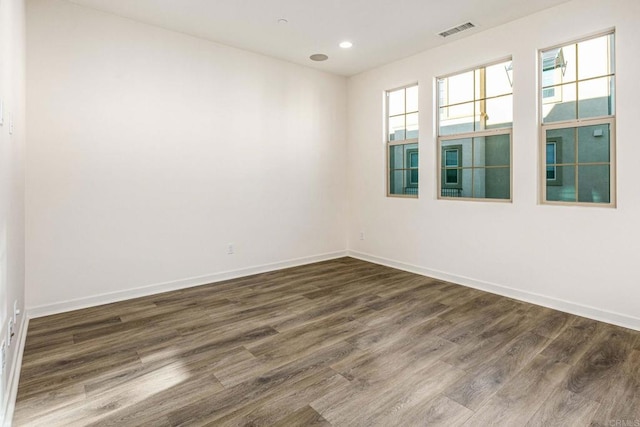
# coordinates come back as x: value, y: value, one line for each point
x: 402, y: 141
x: 475, y: 116
x: 552, y: 158
x: 578, y: 122
x: 553, y: 68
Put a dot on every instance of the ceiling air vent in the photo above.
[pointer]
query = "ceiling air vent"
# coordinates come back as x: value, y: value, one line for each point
x: 455, y: 30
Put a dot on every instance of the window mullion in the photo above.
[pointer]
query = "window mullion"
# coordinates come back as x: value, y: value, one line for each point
x: 483, y: 99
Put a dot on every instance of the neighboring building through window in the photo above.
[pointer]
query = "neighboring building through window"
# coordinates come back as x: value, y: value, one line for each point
x: 552, y: 158
x: 402, y: 141
x: 578, y: 122
x: 553, y: 68
x: 475, y: 116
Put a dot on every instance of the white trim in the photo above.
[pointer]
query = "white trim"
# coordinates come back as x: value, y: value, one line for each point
x: 107, y: 298
x: 594, y: 313
x: 9, y: 403
x: 474, y: 68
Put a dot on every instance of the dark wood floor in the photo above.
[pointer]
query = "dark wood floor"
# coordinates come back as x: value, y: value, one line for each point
x: 343, y: 342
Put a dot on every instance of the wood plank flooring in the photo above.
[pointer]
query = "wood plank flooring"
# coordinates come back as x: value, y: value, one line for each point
x: 337, y: 343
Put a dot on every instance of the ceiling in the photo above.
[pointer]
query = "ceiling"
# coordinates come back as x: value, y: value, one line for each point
x: 381, y: 30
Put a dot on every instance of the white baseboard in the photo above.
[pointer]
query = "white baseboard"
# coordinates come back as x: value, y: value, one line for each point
x: 107, y: 298
x: 9, y: 403
x: 618, y: 319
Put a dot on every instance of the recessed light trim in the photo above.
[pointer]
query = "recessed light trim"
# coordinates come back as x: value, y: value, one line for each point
x: 318, y: 57
x: 346, y: 44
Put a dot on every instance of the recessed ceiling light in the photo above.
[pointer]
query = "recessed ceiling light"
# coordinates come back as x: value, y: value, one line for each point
x: 346, y: 45
x: 318, y: 57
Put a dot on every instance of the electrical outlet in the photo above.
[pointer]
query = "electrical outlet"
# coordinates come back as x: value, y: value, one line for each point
x: 10, y: 332
x: 16, y: 312
x: 362, y: 235
x: 3, y: 353
x: 230, y: 249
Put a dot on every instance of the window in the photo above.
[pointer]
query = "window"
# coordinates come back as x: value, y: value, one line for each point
x: 452, y: 165
x: 553, y: 157
x: 451, y: 172
x: 475, y: 115
x: 412, y: 160
x: 402, y: 141
x: 578, y: 124
x: 553, y: 68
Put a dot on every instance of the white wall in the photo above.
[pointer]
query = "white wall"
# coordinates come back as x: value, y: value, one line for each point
x: 12, y: 80
x: 579, y: 259
x: 150, y: 151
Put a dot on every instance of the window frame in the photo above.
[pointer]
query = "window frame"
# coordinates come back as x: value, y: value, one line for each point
x: 389, y: 144
x: 472, y: 134
x: 577, y: 123
x: 410, y: 153
x: 458, y: 167
x: 556, y: 141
